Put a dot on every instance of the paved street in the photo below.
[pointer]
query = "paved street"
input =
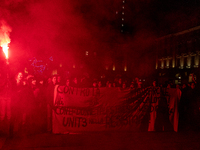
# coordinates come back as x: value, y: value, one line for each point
x: 105, y: 140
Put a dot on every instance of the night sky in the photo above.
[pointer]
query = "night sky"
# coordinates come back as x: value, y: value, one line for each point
x: 66, y: 29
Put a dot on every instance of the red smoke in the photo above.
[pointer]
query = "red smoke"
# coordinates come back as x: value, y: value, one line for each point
x: 66, y: 29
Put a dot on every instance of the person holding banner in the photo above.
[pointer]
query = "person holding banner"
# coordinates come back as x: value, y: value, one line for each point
x: 154, y: 95
x: 162, y: 121
x: 49, y: 99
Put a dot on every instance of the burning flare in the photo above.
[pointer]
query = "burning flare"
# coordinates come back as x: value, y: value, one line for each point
x: 4, y: 37
x: 5, y: 49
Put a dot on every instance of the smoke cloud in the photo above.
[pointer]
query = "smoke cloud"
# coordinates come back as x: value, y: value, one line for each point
x: 66, y: 29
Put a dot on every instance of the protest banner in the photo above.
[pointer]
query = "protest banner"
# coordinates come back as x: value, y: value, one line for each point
x: 97, y: 109
x: 106, y: 109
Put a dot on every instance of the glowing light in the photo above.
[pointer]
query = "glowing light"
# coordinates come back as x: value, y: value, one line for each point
x: 86, y: 53
x: 156, y: 64
x: 167, y: 63
x: 189, y: 60
x: 60, y: 65
x: 122, y: 19
x: 196, y: 61
x: 26, y: 70
x: 181, y: 62
x: 54, y: 72
x: 125, y: 68
x: 122, y: 25
x: 4, y: 37
x: 122, y: 7
x: 162, y: 64
x: 5, y: 49
x: 122, y: 13
x: 74, y: 66
x: 173, y: 62
x: 113, y: 67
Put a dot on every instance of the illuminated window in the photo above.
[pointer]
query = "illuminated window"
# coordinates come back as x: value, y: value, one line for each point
x: 167, y: 63
x: 181, y: 63
x: 86, y: 53
x: 173, y: 62
x: 162, y: 64
x: 189, y: 61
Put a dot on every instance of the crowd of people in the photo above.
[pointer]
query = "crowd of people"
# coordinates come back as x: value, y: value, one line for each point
x: 188, y: 103
x: 32, y: 99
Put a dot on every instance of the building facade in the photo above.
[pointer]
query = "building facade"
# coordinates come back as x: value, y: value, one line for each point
x: 178, y: 56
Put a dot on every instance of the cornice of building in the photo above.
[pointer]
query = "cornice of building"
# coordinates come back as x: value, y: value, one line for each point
x: 178, y: 33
